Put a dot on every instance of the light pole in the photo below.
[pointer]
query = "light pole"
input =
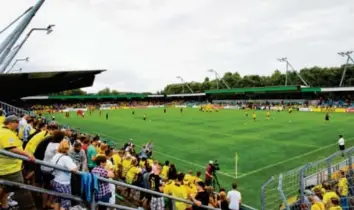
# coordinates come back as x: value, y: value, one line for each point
x: 184, y: 84
x: 18, y: 60
x: 287, y: 69
x: 288, y: 64
x: 217, y: 78
x: 7, y: 62
x: 349, y: 58
x: 17, y: 70
x: 11, y: 39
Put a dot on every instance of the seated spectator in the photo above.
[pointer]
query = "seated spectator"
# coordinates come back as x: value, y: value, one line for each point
x: 234, y: 198
x: 61, y: 181
x: 329, y: 195
x: 104, y: 193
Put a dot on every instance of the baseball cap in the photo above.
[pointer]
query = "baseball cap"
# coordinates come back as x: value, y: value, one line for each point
x: 10, y: 119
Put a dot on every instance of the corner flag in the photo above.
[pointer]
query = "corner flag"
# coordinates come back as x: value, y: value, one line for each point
x: 236, y: 163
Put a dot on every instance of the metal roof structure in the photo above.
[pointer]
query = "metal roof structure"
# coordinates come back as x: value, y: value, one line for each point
x: 18, y: 85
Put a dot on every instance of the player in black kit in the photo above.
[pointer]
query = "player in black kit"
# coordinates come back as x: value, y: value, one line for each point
x: 144, y: 117
x: 181, y: 110
x: 133, y: 112
x: 327, y: 117
x: 164, y: 110
x: 107, y: 116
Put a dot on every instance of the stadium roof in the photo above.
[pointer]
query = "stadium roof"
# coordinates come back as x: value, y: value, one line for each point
x: 254, y: 90
x: 19, y: 85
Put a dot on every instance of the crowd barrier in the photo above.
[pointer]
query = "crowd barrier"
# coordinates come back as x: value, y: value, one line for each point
x: 287, y: 190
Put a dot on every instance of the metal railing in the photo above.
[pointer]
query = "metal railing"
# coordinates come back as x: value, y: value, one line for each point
x: 122, y: 184
x: 10, y: 108
x: 291, y: 185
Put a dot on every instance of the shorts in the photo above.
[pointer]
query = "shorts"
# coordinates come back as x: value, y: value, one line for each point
x: 14, y: 177
x: 327, y: 118
x: 157, y: 203
x: 341, y: 147
x: 65, y: 189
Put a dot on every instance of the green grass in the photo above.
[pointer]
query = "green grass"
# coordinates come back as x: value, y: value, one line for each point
x: 191, y: 139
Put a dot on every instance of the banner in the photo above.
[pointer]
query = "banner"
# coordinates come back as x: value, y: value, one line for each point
x: 350, y: 110
x: 303, y: 109
x: 74, y: 109
x: 231, y: 107
x: 181, y: 106
x: 155, y: 106
x: 328, y: 109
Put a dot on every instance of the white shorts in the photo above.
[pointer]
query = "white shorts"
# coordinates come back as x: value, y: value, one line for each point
x: 157, y: 203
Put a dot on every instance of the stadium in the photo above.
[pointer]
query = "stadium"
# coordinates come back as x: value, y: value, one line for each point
x: 281, y: 141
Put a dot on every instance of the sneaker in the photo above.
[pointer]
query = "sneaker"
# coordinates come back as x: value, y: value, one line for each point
x: 12, y: 202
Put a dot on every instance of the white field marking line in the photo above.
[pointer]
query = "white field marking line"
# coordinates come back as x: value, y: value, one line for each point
x: 284, y: 161
x: 176, y: 158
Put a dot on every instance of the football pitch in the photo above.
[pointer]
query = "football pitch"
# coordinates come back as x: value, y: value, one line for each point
x: 192, y: 138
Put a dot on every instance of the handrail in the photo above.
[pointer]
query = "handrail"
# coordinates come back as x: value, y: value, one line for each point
x: 62, y: 195
x: 40, y: 162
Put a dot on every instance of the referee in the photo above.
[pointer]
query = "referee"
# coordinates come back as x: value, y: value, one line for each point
x: 341, y: 144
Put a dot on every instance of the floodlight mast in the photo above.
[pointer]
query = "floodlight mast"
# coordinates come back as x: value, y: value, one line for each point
x: 184, y: 84
x: 349, y: 58
x: 288, y: 64
x: 217, y: 78
x: 11, y: 39
x: 286, y: 70
x: 18, y: 60
x: 3, y: 66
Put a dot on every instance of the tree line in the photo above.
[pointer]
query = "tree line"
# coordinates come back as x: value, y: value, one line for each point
x: 315, y: 77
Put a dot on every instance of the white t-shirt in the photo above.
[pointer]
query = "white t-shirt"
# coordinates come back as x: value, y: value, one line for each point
x: 65, y: 161
x: 234, y: 198
x: 341, y: 141
x: 49, y: 153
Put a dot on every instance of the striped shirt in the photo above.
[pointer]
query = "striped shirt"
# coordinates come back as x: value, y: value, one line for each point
x: 103, y: 187
x: 27, y: 132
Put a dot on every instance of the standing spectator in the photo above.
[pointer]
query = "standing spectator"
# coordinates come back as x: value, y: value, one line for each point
x: 28, y: 130
x: 157, y: 202
x: 77, y: 154
x: 209, y: 174
x: 223, y: 204
x: 341, y: 144
x: 165, y: 169
x: 104, y: 193
x: 22, y: 125
x: 179, y: 191
x: 234, y: 198
x: 91, y: 153
x: 61, y: 181
x: 343, y: 190
x: 2, y: 117
x: 172, y: 172
x: 47, y: 176
x: 202, y: 197
x: 11, y: 168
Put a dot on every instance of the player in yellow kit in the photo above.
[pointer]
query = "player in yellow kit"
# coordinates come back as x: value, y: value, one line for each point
x: 268, y: 115
x: 254, y: 116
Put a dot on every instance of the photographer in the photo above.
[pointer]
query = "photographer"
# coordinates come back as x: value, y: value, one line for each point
x: 209, y: 173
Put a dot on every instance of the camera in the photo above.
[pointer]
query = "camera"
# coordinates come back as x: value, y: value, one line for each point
x: 215, y: 166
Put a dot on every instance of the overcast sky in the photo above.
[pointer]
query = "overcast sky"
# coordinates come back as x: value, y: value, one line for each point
x: 145, y: 44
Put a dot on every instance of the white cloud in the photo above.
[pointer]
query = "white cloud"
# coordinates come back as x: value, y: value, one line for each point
x: 145, y: 44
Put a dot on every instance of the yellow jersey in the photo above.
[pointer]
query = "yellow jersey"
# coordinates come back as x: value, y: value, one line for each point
x: 179, y: 191
x: 343, y: 184
x: 131, y: 174
x: 35, y: 140
x: 9, y: 139
x: 164, y: 171
x: 126, y: 164
x: 335, y: 208
x: 318, y: 206
x: 167, y: 189
x: 142, y: 163
x: 254, y: 116
x: 327, y: 198
x: 116, y: 161
x: 268, y: 114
